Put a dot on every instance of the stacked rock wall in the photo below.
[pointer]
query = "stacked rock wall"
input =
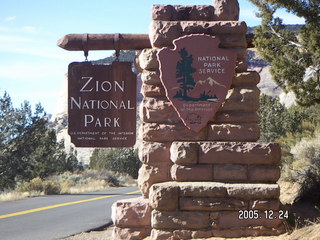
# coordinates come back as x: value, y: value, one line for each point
x: 195, y: 184
x: 197, y: 210
x: 236, y: 119
x: 225, y: 162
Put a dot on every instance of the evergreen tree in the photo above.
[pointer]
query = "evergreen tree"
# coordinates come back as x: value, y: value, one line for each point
x: 183, y: 74
x: 28, y: 148
x: 294, y: 58
x: 276, y: 121
x: 271, y: 114
x: 124, y: 160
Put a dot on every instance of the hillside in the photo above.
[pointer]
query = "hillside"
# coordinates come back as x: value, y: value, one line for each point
x: 266, y: 85
x: 290, y: 27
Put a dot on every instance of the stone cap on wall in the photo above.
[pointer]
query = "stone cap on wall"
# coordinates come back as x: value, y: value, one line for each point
x: 223, y: 10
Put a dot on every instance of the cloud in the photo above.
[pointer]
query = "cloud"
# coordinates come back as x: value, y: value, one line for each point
x: 29, y: 29
x: 21, y: 44
x: 10, y: 19
x: 19, y: 30
x: 23, y: 72
x: 14, y: 39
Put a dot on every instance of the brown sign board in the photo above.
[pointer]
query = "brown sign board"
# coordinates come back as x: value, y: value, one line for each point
x: 197, y: 75
x: 101, y: 104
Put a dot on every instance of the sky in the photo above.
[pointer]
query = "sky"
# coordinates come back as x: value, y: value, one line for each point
x: 33, y: 67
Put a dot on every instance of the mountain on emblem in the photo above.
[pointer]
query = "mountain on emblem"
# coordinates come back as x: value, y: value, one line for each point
x: 197, y: 75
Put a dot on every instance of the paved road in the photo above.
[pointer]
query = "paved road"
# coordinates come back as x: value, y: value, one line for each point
x: 54, y: 217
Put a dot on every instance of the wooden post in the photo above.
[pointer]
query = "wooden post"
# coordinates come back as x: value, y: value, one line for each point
x: 80, y: 42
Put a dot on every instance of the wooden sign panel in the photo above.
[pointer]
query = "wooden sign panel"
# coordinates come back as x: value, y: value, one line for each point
x: 101, y: 104
x: 197, y: 75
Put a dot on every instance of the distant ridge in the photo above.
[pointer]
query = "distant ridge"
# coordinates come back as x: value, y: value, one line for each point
x: 211, y: 82
x: 296, y: 28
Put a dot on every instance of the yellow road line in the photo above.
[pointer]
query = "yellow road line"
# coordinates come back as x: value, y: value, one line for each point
x: 62, y: 205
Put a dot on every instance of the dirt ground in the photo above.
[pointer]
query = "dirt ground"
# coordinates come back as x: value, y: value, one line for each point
x: 95, y: 235
x: 307, y: 233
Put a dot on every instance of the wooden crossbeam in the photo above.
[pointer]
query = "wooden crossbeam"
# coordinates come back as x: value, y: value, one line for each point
x: 81, y: 42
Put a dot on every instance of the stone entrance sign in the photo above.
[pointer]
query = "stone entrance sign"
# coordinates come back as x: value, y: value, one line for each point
x: 197, y: 75
x: 203, y: 173
x: 210, y: 179
x: 101, y: 104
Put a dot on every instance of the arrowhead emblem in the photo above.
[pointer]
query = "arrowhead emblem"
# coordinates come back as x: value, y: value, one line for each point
x: 196, y: 75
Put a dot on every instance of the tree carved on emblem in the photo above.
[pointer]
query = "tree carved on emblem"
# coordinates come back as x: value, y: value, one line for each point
x: 184, y: 72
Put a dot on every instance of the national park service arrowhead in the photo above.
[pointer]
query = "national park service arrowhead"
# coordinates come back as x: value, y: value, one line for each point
x: 197, y: 75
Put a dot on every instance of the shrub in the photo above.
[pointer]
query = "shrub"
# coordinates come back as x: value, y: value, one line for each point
x: 306, y: 168
x: 40, y: 186
x: 271, y: 113
x: 51, y: 188
x: 35, y: 185
x: 276, y: 121
x: 113, y: 181
x: 124, y: 160
x: 310, y: 186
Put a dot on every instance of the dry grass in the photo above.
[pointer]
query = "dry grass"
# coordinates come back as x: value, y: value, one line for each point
x: 307, y: 233
x: 92, y: 186
x: 15, y: 195
x: 70, y: 183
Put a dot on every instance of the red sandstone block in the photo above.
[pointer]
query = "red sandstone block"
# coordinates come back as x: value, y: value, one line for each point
x: 153, y: 153
x: 233, y: 117
x: 158, y: 110
x: 153, y: 90
x: 179, y: 220
x: 263, y: 173
x: 151, y: 77
x: 149, y: 175
x: 163, y: 33
x: 164, y: 196
x: 239, y: 153
x: 191, y: 173
x: 234, y: 132
x: 249, y: 78
x: 221, y: 11
x: 135, y: 212
x: 165, y: 133
x: 253, y: 190
x: 202, y: 189
x: 264, y: 204
x: 211, y: 204
x: 184, y: 153
x: 130, y: 233
x: 230, y: 219
x: 230, y: 172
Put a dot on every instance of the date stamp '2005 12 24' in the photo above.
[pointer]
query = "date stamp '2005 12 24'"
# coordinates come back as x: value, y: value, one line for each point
x: 266, y: 214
